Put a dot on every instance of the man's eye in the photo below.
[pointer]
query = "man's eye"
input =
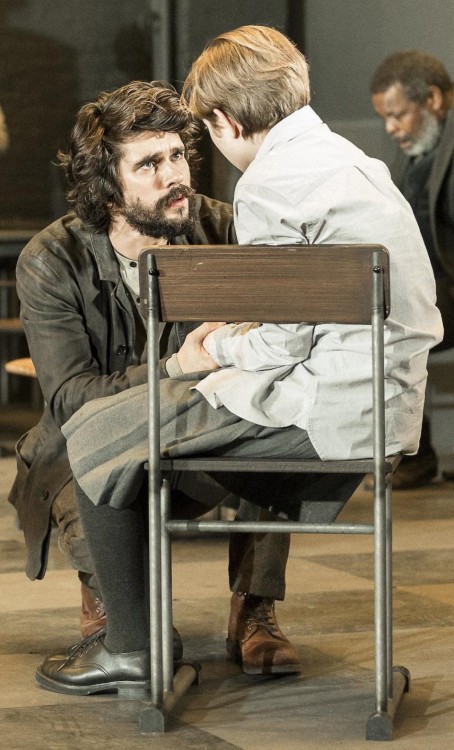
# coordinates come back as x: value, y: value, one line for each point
x: 178, y: 155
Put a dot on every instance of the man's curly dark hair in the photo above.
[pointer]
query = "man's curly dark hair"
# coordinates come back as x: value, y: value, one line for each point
x: 93, y: 156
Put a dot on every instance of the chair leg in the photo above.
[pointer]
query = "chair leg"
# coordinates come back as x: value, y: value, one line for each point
x: 381, y: 621
x: 389, y: 587
x: 165, y: 689
x: 391, y: 682
x: 151, y: 717
x: 166, y: 572
x: 380, y: 724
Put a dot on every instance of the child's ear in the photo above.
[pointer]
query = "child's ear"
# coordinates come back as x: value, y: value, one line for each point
x: 226, y: 122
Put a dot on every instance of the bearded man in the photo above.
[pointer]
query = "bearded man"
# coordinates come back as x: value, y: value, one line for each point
x: 128, y: 167
x: 413, y: 93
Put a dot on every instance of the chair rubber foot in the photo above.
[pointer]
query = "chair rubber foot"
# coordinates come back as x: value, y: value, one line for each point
x: 379, y: 727
x: 380, y: 724
x: 152, y: 719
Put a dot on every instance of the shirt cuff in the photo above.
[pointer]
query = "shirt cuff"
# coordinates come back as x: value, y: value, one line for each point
x: 173, y: 367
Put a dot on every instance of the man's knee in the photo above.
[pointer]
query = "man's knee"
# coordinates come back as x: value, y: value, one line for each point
x: 71, y: 537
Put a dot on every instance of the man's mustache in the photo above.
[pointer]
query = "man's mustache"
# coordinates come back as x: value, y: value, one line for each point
x: 174, y: 194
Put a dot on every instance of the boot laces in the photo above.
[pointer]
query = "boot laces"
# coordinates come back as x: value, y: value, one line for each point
x: 262, y: 616
x: 99, y: 607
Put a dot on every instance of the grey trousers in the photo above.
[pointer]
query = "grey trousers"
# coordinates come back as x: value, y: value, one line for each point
x: 107, y: 443
x: 257, y: 562
x: 107, y: 439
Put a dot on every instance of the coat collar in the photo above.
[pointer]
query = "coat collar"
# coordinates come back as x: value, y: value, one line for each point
x: 442, y: 160
x: 105, y: 257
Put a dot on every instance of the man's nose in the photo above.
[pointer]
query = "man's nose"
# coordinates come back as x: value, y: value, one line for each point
x: 391, y: 125
x: 171, y: 174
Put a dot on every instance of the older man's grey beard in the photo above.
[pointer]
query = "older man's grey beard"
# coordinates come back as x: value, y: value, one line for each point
x: 153, y: 222
x: 428, y: 136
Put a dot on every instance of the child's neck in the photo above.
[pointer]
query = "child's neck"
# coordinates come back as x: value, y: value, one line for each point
x: 250, y: 147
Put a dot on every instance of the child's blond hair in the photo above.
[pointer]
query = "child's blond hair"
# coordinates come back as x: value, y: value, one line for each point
x: 255, y: 74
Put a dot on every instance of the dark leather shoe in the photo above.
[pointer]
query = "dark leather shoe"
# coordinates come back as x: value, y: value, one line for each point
x: 256, y: 641
x: 177, y: 649
x: 415, y: 471
x: 93, y: 615
x: 412, y: 472
x: 89, y: 667
x: 93, y: 620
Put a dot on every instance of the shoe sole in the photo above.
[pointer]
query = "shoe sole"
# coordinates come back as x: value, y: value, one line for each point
x: 234, y: 654
x: 123, y: 688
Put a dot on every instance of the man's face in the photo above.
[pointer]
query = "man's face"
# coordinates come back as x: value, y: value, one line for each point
x: 155, y: 178
x: 411, y: 124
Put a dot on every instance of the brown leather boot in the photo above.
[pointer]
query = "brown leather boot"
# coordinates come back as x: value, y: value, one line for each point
x: 255, y: 640
x: 93, y: 615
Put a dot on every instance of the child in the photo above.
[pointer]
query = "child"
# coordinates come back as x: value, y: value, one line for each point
x: 304, y: 184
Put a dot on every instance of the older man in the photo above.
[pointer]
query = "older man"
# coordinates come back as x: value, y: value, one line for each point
x: 413, y: 93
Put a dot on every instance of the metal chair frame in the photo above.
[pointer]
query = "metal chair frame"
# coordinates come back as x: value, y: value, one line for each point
x: 325, y: 283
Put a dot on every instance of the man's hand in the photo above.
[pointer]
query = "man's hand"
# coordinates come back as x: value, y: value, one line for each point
x: 192, y: 356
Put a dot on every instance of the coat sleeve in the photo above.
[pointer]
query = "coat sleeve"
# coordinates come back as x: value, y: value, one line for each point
x: 62, y: 342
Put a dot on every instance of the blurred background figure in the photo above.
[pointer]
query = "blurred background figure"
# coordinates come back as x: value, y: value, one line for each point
x: 412, y: 91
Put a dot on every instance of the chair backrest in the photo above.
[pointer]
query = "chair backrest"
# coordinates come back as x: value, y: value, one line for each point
x: 285, y: 283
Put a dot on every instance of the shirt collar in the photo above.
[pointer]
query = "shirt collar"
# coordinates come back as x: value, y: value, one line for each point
x: 290, y: 127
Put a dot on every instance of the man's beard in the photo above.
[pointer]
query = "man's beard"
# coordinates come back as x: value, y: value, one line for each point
x: 153, y: 222
x: 427, y: 137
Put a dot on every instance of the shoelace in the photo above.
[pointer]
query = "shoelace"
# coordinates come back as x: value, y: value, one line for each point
x: 99, y: 608
x: 262, y: 617
x: 83, y: 646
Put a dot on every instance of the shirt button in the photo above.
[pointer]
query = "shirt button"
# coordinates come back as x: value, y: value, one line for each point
x: 122, y: 349
x: 133, y: 264
x: 44, y: 494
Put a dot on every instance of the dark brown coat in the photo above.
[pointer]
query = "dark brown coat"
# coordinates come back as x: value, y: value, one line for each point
x: 86, y: 341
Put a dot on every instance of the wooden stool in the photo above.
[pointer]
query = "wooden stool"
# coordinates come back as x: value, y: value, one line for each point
x: 23, y: 366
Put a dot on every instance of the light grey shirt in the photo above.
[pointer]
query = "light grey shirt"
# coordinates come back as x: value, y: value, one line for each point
x: 308, y: 185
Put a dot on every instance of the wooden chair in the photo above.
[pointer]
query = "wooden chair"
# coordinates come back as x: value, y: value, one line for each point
x: 338, y: 283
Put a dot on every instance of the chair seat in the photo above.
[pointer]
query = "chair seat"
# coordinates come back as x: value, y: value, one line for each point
x: 293, y: 465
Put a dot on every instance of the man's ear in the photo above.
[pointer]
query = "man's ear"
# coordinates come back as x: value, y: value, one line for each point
x: 226, y: 122
x: 435, y: 100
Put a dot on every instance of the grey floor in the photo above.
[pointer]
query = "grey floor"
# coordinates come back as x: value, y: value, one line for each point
x: 328, y: 613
